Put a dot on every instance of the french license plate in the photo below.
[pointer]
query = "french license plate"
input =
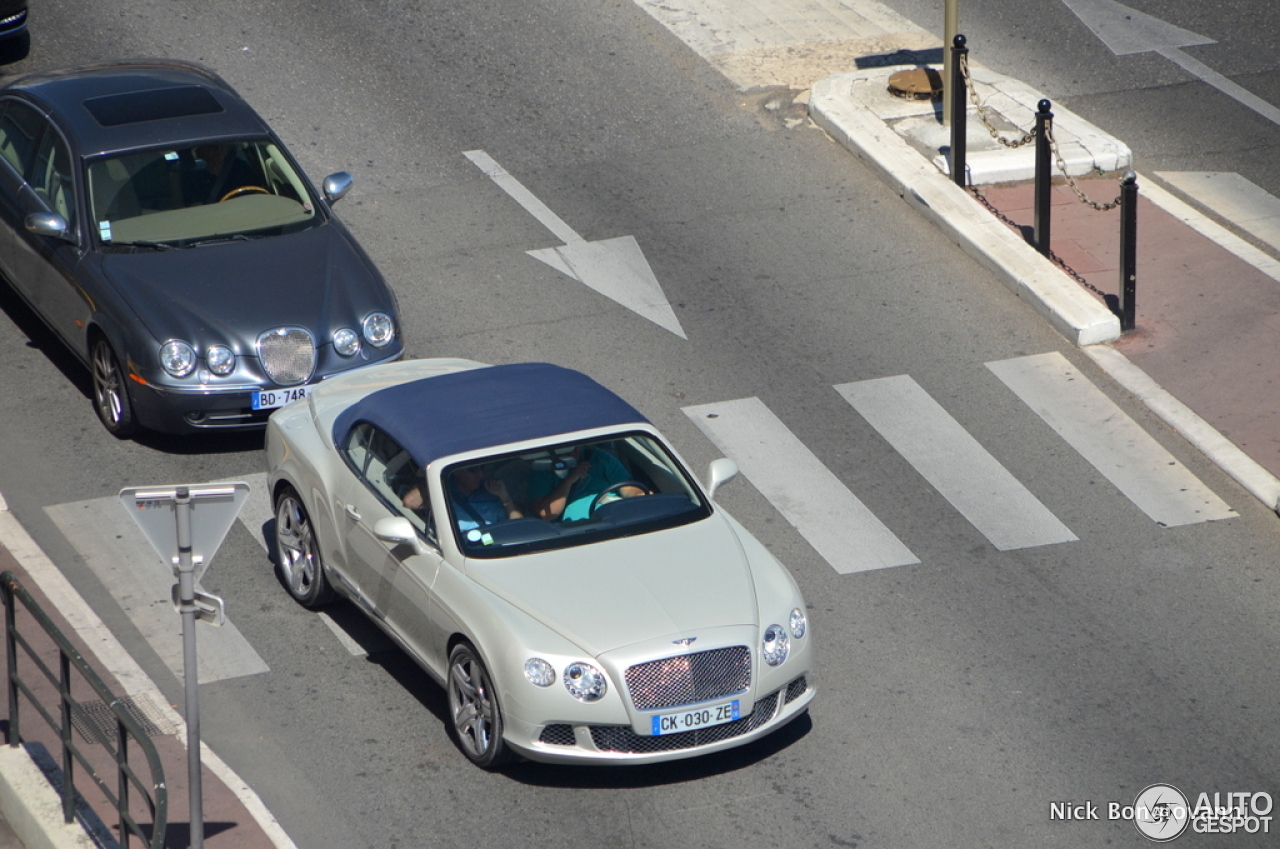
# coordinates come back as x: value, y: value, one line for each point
x: 703, y: 717
x: 269, y: 399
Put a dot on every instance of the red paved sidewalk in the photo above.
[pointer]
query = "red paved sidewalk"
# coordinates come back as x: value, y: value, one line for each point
x: 1208, y: 322
x: 227, y: 823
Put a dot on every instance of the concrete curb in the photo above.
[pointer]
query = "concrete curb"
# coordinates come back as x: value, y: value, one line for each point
x: 1073, y: 312
x: 32, y: 807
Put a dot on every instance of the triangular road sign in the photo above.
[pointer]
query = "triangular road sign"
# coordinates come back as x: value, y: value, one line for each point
x: 213, y: 509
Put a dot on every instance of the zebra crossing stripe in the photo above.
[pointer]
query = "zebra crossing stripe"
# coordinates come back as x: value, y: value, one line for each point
x: 822, y: 509
x: 955, y: 464
x: 1110, y: 440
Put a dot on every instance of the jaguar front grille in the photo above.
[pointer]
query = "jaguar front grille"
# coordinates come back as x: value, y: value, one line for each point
x: 288, y: 355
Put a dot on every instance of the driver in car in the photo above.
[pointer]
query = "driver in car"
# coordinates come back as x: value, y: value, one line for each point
x: 568, y: 493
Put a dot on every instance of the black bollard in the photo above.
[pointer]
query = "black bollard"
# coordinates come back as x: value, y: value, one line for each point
x: 1128, y: 250
x: 1044, y: 176
x: 959, y: 96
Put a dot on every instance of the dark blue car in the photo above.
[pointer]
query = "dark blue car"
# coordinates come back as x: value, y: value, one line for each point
x: 163, y: 231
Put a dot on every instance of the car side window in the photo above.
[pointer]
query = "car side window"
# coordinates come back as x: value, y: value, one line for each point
x: 20, y: 130
x: 50, y: 177
x: 389, y: 471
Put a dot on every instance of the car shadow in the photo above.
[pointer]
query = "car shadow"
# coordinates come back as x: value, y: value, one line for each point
x: 42, y: 339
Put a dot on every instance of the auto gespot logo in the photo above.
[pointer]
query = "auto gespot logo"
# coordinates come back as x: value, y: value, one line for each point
x: 1162, y: 812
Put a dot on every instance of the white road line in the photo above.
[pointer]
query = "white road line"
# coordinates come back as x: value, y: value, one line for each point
x: 1237, y: 199
x: 822, y: 509
x: 955, y: 464
x: 1103, y: 434
x: 128, y: 566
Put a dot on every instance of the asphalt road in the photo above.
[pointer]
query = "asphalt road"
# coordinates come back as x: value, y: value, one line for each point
x: 961, y: 696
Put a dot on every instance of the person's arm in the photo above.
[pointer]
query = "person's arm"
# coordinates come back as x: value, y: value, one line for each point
x: 551, y: 506
x: 498, y: 488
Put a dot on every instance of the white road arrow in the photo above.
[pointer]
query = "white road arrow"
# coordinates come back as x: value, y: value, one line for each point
x: 616, y: 268
x: 1126, y: 31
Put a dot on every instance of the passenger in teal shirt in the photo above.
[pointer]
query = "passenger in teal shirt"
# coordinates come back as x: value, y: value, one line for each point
x: 569, y: 498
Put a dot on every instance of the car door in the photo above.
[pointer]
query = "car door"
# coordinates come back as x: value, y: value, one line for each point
x: 394, y: 579
x: 53, y: 263
x: 42, y: 268
x: 20, y: 130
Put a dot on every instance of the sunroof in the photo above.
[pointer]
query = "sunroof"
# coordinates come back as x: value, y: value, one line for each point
x: 113, y: 110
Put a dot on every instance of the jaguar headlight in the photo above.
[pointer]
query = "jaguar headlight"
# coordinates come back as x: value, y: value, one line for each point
x: 378, y: 329
x: 799, y: 623
x: 584, y: 682
x: 177, y: 358
x: 220, y: 360
x: 776, y: 645
x: 346, y: 342
x: 539, y: 672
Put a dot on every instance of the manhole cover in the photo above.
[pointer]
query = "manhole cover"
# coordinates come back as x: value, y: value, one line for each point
x: 98, y: 724
x: 916, y: 84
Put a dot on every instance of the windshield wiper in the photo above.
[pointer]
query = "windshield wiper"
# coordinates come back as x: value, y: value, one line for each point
x: 213, y: 240
x: 144, y: 243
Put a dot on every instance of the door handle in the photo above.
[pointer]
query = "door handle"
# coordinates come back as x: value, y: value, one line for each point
x: 352, y: 511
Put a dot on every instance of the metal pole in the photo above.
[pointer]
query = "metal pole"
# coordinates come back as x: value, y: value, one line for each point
x: 1128, y: 250
x: 190, y: 670
x: 950, y: 23
x: 1044, y: 176
x: 11, y: 662
x: 958, y: 117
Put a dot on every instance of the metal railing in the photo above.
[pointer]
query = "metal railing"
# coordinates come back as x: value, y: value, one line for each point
x: 154, y: 793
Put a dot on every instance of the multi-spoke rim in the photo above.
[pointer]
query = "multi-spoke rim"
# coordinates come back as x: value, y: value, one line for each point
x: 108, y: 385
x: 297, y: 546
x: 470, y: 699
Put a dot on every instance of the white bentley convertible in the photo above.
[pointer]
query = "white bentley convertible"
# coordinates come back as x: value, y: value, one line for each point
x: 533, y: 542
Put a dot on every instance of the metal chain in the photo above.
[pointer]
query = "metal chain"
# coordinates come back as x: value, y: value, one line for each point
x: 1027, y: 138
x: 1071, y: 181
x: 1054, y: 258
x: 982, y: 110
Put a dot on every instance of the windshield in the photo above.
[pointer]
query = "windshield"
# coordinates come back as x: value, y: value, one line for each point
x: 209, y: 191
x: 568, y: 494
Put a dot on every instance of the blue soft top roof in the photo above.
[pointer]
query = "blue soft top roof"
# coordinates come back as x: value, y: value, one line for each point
x: 481, y: 408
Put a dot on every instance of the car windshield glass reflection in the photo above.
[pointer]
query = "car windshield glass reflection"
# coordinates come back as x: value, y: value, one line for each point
x: 568, y: 494
x: 197, y: 194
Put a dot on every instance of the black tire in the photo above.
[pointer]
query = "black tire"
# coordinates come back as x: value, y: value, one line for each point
x: 111, y: 391
x: 298, y: 553
x: 475, y: 717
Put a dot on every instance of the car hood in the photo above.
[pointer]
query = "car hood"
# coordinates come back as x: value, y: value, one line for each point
x: 608, y: 595
x: 235, y: 290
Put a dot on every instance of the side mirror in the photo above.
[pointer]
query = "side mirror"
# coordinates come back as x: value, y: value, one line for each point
x: 722, y: 471
x: 337, y: 185
x: 399, y: 531
x: 48, y: 224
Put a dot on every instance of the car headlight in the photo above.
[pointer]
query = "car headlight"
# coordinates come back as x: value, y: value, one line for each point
x: 346, y: 342
x: 378, y: 329
x: 539, y: 672
x: 799, y: 623
x: 776, y: 645
x: 220, y: 359
x: 584, y: 682
x: 177, y: 358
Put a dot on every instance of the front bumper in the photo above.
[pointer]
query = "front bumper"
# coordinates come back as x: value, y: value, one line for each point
x: 619, y: 744
x: 204, y: 408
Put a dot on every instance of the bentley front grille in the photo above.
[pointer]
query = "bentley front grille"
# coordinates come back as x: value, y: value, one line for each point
x: 690, y: 678
x: 610, y: 738
x: 288, y: 355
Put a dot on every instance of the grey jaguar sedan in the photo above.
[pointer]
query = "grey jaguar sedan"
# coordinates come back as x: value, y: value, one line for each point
x: 156, y: 223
